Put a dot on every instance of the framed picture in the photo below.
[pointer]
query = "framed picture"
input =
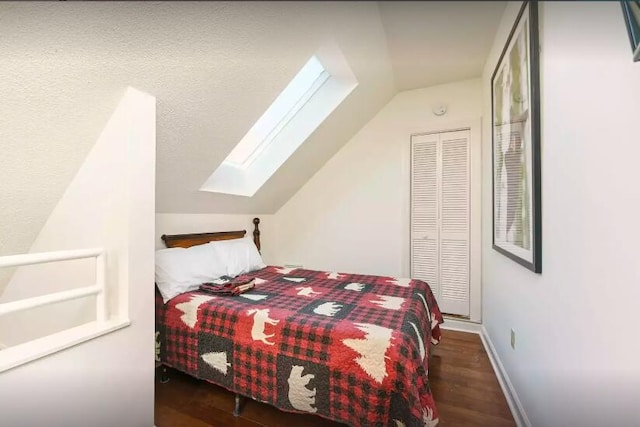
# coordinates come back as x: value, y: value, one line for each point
x: 631, y: 12
x: 515, y: 102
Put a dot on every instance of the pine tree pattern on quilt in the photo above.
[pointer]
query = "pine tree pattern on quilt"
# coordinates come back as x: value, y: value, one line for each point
x: 347, y: 347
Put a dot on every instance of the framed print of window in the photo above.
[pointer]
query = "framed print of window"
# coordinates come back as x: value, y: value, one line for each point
x: 515, y: 101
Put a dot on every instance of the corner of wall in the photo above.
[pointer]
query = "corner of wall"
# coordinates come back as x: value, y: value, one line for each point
x: 110, y: 203
x: 360, y: 196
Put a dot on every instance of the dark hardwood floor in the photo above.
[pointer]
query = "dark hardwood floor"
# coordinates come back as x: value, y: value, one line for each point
x: 464, y: 385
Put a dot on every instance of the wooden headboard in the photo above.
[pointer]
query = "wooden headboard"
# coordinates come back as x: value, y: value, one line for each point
x: 188, y: 240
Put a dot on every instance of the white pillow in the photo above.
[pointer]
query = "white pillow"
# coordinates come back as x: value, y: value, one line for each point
x: 240, y: 255
x: 180, y: 270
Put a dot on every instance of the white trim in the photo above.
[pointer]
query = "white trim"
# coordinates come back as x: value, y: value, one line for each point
x: 474, y: 125
x: 97, y: 289
x: 26, y: 304
x: 241, y: 181
x: 102, y: 311
x: 460, y: 325
x: 517, y: 410
x: 475, y: 220
x: 42, y: 257
x: 20, y: 354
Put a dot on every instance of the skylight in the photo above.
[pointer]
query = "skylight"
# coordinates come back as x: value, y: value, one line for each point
x: 297, y: 93
x: 310, y: 97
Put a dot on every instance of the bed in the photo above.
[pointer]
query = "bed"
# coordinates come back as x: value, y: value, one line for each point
x: 347, y: 347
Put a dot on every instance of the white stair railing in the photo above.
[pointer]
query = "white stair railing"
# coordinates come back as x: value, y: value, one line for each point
x: 98, y: 288
x: 16, y: 355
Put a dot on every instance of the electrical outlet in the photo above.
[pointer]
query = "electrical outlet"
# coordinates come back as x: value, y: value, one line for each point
x: 513, y: 339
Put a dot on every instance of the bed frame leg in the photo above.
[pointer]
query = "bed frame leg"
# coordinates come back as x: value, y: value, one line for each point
x: 164, y: 377
x: 238, y: 408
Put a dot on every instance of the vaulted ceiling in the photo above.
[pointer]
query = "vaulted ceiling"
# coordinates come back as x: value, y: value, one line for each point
x: 431, y: 43
x: 214, y: 68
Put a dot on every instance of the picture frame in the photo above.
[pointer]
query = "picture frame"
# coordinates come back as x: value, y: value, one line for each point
x: 631, y: 12
x: 515, y: 133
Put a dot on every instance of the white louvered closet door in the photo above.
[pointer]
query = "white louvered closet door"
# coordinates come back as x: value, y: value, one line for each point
x: 454, y: 223
x: 424, y: 210
x: 440, y: 207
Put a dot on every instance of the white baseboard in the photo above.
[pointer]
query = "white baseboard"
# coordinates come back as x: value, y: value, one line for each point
x: 461, y: 325
x: 517, y: 410
x: 41, y: 347
x: 510, y: 394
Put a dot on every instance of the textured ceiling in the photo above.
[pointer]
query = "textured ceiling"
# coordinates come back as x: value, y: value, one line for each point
x: 277, y: 40
x: 432, y: 42
x: 214, y: 68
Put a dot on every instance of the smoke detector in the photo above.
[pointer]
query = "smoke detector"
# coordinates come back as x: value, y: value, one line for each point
x: 439, y: 110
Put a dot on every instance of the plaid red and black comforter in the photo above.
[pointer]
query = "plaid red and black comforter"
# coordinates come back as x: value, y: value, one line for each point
x: 347, y: 347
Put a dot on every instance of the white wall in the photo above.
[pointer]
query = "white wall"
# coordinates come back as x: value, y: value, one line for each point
x: 205, y: 223
x: 110, y: 203
x: 576, y: 356
x: 353, y: 214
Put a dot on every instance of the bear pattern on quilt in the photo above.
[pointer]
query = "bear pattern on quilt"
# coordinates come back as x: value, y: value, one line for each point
x: 351, y: 348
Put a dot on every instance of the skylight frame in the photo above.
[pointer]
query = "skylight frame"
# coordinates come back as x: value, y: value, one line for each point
x: 311, y: 77
x: 228, y: 178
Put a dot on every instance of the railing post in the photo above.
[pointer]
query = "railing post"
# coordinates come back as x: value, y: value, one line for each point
x: 101, y: 297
